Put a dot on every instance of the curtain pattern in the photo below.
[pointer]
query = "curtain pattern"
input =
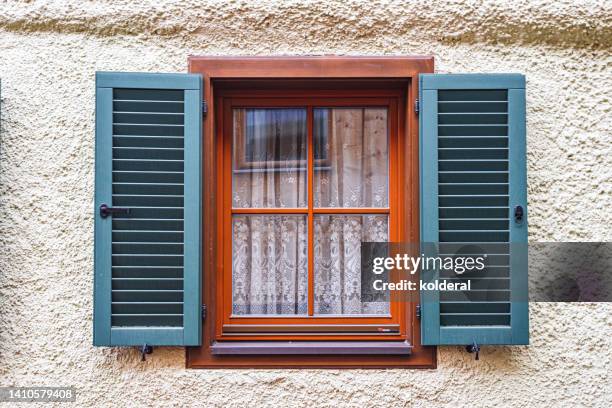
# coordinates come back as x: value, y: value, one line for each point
x: 270, y: 264
x: 337, y: 262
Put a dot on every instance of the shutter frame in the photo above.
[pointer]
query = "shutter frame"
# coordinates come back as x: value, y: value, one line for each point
x: 189, y: 332
x: 429, y: 85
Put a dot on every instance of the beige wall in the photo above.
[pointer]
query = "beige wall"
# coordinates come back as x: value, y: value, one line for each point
x: 49, y: 51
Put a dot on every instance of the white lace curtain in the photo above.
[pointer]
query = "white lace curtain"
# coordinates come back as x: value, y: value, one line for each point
x: 270, y: 252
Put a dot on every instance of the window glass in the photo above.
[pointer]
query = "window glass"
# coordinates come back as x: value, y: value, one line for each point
x: 269, y: 158
x: 337, y: 262
x: 355, y: 171
x: 269, y: 264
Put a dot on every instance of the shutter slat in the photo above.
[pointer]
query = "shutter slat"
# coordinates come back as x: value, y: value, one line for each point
x: 474, y: 201
x: 172, y: 308
x: 147, y: 260
x: 480, y: 319
x: 472, y: 153
x: 148, y: 278
x: 472, y: 118
x: 147, y: 130
x: 148, y: 236
x: 149, y: 106
x: 474, y: 224
x: 125, y: 200
x: 147, y: 248
x: 149, y: 118
x: 147, y: 284
x: 471, y: 107
x: 148, y: 141
x: 472, y: 142
x: 474, y: 307
x: 474, y: 95
x: 148, y: 153
x: 472, y: 130
x: 147, y: 177
x: 500, y: 177
x: 147, y: 295
x: 148, y: 320
x: 477, y: 296
x: 457, y: 189
x: 473, y: 165
x: 148, y: 95
x: 148, y: 223
x: 148, y: 165
x: 154, y: 189
x: 149, y: 272
x: 472, y: 138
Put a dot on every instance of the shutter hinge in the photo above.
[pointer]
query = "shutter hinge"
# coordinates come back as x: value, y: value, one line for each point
x: 418, y: 312
x: 416, y: 106
x: 204, y: 108
x: 203, y: 312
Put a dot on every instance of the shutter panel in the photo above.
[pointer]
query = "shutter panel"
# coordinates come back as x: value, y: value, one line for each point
x: 147, y: 262
x: 473, y: 175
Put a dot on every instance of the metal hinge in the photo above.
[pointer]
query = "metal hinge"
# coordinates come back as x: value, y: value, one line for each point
x: 418, y: 312
x: 204, y: 108
x: 203, y: 312
x: 416, y: 106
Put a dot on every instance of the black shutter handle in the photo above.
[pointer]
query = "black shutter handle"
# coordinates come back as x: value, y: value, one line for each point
x: 518, y: 213
x: 105, y: 211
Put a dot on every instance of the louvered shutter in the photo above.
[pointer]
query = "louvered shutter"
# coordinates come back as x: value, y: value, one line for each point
x: 473, y: 177
x: 147, y: 238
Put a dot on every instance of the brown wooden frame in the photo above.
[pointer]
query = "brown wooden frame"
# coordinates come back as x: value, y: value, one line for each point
x: 230, y: 100
x: 257, y: 74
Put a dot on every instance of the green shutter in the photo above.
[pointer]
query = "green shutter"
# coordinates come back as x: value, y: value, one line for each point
x: 147, y: 262
x: 473, y: 176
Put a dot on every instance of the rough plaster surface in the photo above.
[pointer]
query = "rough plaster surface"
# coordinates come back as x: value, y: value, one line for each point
x: 49, y: 51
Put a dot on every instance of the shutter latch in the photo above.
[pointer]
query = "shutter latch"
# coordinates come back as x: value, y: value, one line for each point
x: 416, y: 106
x: 105, y: 211
x: 203, y: 312
x: 518, y: 213
x: 145, y: 349
x: 204, y: 108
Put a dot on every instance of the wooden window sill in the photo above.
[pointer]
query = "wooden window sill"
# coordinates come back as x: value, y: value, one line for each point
x: 312, y: 348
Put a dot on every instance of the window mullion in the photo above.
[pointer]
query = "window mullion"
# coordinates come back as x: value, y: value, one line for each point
x: 310, y: 184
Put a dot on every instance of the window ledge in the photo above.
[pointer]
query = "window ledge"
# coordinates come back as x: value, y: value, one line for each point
x: 311, y: 347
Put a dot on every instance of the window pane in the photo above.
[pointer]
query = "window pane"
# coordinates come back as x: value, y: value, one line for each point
x: 269, y: 265
x: 351, y: 157
x: 337, y: 262
x: 269, y: 158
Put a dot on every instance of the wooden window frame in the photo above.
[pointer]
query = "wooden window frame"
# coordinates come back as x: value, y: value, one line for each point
x: 396, y: 321
x: 262, y: 74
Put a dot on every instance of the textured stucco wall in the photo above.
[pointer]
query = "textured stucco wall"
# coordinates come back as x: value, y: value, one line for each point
x: 49, y: 51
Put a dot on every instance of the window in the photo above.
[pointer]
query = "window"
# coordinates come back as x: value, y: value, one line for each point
x: 303, y: 168
x: 321, y: 182
x: 232, y: 202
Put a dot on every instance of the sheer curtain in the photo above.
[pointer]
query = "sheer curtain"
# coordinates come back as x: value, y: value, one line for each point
x: 270, y: 265
x: 270, y: 251
x: 337, y: 251
x: 356, y: 176
x: 269, y: 158
x: 356, y: 146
